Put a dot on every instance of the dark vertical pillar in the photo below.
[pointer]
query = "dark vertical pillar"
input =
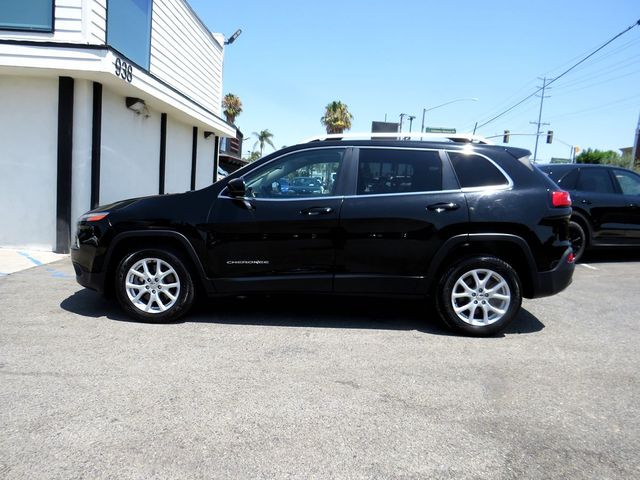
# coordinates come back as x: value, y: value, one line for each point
x: 96, y: 144
x: 194, y: 157
x: 65, y: 150
x: 216, y: 157
x: 163, y: 151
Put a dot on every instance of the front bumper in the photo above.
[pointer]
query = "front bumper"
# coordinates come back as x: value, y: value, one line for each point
x: 554, y: 281
x: 81, y: 261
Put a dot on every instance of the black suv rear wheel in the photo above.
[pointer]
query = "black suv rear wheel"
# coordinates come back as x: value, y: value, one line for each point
x: 154, y: 285
x: 479, y: 296
x: 578, y: 239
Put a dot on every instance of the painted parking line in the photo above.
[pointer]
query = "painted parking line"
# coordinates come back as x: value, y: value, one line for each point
x: 586, y: 265
x: 35, y: 261
x: 57, y: 273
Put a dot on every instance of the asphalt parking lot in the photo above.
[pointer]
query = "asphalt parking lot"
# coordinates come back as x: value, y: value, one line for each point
x: 314, y: 387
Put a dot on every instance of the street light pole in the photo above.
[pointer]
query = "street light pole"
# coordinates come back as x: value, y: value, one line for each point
x: 425, y: 110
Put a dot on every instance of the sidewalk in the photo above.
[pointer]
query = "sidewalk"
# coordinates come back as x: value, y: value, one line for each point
x: 12, y: 261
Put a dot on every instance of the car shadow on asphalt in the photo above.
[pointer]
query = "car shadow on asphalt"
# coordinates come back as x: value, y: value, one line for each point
x: 301, y: 311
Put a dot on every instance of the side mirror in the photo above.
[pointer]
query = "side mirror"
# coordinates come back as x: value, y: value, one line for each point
x: 237, y: 188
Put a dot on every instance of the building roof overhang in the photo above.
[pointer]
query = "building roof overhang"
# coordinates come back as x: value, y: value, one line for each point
x: 98, y: 63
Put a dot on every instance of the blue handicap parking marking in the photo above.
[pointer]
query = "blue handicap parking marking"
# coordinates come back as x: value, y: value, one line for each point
x: 57, y: 273
x: 35, y: 261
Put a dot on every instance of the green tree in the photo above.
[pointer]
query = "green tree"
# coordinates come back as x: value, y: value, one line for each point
x: 603, y: 157
x: 595, y: 156
x: 231, y: 107
x: 337, y: 117
x: 263, y: 138
x: 253, y: 156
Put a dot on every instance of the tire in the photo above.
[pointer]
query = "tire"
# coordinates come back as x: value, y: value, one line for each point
x: 578, y: 239
x: 163, y: 295
x: 465, y: 284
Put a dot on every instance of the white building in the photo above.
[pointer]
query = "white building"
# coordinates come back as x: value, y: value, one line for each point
x: 101, y: 100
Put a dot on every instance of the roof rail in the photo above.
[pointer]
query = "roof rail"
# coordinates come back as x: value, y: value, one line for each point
x: 416, y: 136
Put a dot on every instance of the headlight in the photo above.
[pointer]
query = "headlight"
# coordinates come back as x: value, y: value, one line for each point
x: 93, y: 217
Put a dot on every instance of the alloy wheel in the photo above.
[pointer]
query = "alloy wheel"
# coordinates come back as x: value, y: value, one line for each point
x: 152, y: 285
x: 480, y: 297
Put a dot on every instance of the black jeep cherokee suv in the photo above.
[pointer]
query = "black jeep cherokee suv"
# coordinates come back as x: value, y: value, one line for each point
x: 475, y: 226
x: 606, y: 205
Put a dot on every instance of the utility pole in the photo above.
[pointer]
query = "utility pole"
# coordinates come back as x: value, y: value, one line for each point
x: 539, y: 122
x: 402, y: 115
x: 635, y: 161
x: 411, y: 119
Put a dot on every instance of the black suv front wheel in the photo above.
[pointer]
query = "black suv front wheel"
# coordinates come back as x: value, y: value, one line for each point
x: 479, y: 296
x: 154, y: 286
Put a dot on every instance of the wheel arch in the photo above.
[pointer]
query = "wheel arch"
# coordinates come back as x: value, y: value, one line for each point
x: 157, y: 239
x: 507, y: 247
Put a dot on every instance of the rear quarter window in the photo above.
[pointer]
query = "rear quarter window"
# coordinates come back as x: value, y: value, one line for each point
x: 474, y: 171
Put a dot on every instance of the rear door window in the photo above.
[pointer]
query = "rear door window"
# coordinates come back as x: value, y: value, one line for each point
x: 388, y: 170
x: 595, y: 180
x: 569, y: 181
x: 474, y: 171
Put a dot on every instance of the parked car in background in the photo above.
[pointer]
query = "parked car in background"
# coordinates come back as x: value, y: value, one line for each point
x: 606, y: 204
x: 473, y: 226
x: 305, y: 185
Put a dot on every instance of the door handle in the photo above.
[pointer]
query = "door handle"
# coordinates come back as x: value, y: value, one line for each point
x: 442, y: 207
x: 586, y: 202
x: 313, y: 211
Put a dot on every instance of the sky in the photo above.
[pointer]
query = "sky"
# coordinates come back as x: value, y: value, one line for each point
x: 387, y: 58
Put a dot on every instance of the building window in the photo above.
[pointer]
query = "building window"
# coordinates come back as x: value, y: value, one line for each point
x: 28, y: 15
x: 129, y: 29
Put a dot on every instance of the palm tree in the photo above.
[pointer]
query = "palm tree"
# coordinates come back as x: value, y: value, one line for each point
x: 336, y: 118
x: 231, y: 107
x: 263, y: 137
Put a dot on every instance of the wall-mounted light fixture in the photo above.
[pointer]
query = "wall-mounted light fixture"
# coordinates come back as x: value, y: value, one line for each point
x: 137, y: 105
x: 208, y: 134
x: 233, y: 37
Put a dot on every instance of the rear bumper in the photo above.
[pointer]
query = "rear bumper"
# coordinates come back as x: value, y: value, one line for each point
x: 554, y: 281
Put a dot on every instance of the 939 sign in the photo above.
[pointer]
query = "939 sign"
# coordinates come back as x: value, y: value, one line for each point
x: 124, y: 70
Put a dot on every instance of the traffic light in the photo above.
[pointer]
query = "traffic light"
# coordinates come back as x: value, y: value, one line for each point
x: 549, y: 136
x: 505, y: 139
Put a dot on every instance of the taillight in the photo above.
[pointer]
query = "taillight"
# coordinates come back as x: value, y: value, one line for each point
x: 571, y: 258
x: 560, y: 198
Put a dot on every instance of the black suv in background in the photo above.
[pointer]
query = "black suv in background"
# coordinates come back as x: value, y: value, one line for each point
x: 475, y: 226
x: 606, y: 204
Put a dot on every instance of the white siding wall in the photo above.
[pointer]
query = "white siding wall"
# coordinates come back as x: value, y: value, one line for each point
x: 28, y: 164
x: 96, y: 23
x: 68, y: 21
x: 185, y: 55
x: 204, y: 168
x: 130, y: 151
x: 75, y: 21
x: 81, y: 156
x: 178, y: 163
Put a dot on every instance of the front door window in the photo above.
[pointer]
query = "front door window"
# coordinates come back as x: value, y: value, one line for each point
x: 306, y: 174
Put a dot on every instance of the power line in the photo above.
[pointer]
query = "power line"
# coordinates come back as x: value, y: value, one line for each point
x: 561, y: 75
x: 601, y: 82
x: 598, y: 107
x: 604, y: 72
